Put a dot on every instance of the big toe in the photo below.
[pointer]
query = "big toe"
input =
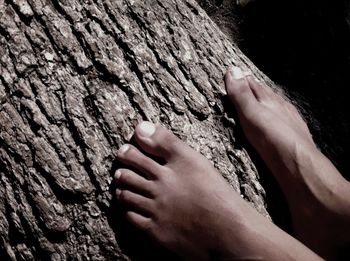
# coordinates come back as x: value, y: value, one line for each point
x: 158, y: 141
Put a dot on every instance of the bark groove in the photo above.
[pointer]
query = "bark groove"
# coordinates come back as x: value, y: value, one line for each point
x: 75, y: 78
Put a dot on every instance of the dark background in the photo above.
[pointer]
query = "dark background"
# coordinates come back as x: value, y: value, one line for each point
x: 305, y: 47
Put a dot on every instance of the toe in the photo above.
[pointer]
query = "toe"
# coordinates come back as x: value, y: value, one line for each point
x: 258, y: 89
x: 135, y: 201
x: 158, y: 141
x: 133, y: 181
x: 131, y: 156
x: 140, y: 221
x: 238, y: 89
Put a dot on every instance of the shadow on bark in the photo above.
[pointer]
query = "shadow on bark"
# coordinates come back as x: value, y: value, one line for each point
x: 274, y: 200
x: 133, y: 242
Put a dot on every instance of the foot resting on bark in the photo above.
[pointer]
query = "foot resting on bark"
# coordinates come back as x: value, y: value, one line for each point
x: 318, y: 196
x: 188, y: 207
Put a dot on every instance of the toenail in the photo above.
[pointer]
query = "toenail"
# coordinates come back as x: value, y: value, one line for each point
x: 236, y: 73
x: 118, y: 192
x: 123, y: 149
x: 117, y: 174
x: 253, y: 78
x: 147, y: 129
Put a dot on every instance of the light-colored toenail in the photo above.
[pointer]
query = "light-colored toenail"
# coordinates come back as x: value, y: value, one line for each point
x: 147, y: 129
x: 117, y: 174
x: 253, y: 78
x: 123, y: 149
x: 236, y: 73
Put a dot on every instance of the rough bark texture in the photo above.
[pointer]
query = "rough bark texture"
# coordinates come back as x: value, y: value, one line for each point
x: 75, y: 78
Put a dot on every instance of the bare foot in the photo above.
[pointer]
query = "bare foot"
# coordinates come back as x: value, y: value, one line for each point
x: 318, y: 196
x: 189, y: 208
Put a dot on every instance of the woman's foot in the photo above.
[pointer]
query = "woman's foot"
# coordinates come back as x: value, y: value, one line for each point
x: 318, y: 196
x: 188, y: 207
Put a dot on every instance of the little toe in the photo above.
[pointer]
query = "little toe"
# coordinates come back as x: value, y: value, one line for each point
x: 134, y: 182
x: 140, y: 221
x: 238, y: 89
x: 135, y: 201
x: 158, y: 141
x: 131, y: 156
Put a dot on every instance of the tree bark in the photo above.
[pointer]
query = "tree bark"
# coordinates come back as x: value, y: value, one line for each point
x: 75, y: 79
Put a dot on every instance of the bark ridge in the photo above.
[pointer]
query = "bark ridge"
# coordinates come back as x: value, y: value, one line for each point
x: 75, y: 78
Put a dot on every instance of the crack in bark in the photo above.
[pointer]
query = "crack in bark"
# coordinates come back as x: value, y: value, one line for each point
x: 87, y: 73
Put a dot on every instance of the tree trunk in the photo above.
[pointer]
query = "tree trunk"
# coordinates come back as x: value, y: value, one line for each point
x: 75, y: 79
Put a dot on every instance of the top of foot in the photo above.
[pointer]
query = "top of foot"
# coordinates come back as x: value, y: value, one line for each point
x: 316, y: 193
x: 187, y: 206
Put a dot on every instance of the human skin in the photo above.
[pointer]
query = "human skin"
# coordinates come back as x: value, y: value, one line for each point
x: 318, y: 196
x: 188, y: 207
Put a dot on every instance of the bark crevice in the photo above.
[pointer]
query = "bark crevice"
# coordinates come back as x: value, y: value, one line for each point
x: 75, y: 79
